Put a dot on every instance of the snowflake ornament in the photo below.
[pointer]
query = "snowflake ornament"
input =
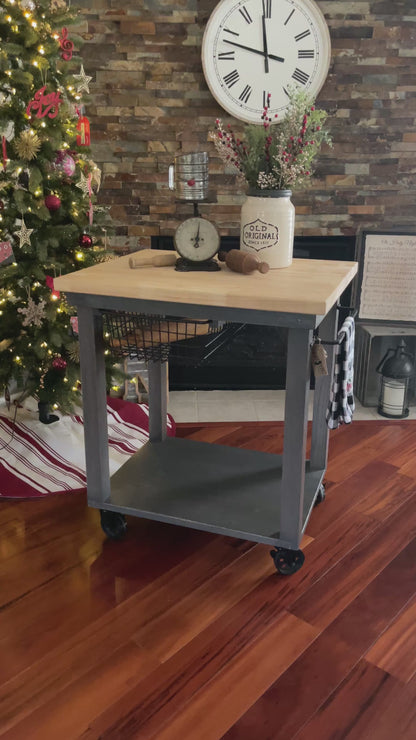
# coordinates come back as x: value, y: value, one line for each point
x: 34, y: 312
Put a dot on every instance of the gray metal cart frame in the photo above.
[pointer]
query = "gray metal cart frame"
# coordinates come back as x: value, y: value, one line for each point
x: 258, y: 496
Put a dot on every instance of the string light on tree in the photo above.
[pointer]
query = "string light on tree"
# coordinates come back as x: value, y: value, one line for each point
x: 42, y: 211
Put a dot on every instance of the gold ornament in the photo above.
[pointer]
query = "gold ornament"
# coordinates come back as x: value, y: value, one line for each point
x: 27, y: 145
x: 73, y: 351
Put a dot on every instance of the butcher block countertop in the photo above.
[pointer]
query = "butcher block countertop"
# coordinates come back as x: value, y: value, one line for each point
x: 306, y: 287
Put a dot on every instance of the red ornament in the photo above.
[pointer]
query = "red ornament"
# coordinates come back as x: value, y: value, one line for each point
x: 49, y: 283
x: 58, y: 363
x: 191, y: 182
x: 6, y: 253
x: 83, y: 128
x: 52, y: 202
x: 85, y: 241
x: 66, y: 45
x: 45, y: 104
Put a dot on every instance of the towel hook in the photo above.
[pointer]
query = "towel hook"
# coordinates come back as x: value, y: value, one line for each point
x: 341, y: 334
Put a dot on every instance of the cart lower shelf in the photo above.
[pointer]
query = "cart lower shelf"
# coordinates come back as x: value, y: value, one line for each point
x: 225, y: 490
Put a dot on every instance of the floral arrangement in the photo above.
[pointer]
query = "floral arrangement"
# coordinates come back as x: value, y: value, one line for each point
x: 276, y: 156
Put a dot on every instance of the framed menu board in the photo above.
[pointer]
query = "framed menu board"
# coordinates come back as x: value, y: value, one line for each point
x: 386, y: 286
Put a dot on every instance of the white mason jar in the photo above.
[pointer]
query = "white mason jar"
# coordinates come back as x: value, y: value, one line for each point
x: 268, y: 226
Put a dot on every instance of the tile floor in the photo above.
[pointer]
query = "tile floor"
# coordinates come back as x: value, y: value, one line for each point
x: 258, y: 405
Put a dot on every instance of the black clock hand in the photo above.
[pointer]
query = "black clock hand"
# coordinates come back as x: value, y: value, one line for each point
x: 196, y: 240
x: 255, y: 51
x: 266, y: 56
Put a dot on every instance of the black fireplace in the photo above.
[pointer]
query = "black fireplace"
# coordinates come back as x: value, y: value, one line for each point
x: 248, y: 356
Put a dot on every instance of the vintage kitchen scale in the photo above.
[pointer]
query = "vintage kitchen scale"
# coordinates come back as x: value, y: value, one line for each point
x: 196, y: 239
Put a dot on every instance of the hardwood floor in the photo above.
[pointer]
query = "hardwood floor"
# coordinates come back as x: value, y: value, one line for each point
x: 174, y: 634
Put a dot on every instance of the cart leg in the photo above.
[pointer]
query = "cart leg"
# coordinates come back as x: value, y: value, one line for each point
x: 94, y: 399
x: 157, y: 401
x: 320, y: 432
x: 294, y: 448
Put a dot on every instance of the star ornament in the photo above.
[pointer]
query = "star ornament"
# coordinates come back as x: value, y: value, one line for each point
x: 24, y: 234
x: 83, y: 184
x: 83, y: 80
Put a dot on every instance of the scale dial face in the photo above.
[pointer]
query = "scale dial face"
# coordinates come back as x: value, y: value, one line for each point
x: 255, y: 51
x: 196, y: 239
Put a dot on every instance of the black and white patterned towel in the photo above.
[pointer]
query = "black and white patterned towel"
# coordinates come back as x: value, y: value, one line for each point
x: 341, y: 403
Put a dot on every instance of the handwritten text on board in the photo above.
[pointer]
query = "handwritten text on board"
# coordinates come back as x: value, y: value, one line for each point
x: 388, y: 290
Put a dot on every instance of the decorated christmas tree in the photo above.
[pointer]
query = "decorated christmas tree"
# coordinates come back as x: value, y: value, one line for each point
x: 49, y: 221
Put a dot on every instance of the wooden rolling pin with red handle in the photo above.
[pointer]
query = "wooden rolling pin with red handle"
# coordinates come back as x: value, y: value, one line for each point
x: 242, y: 262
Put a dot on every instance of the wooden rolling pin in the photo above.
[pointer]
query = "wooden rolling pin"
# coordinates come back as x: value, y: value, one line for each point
x: 150, y: 258
x: 242, y: 262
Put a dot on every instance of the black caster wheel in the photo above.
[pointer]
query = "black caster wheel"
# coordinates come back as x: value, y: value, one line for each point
x: 320, y: 496
x: 113, y: 524
x: 287, y: 561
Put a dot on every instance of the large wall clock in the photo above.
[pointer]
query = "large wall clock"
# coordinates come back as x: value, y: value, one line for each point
x: 254, y: 51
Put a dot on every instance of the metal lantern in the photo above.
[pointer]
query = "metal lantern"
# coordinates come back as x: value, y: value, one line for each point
x: 396, y: 371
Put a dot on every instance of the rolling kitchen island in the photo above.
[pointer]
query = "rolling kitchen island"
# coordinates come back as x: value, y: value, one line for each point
x: 242, y: 493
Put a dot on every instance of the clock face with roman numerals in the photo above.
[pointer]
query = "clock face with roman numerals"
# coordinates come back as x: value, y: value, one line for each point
x: 254, y: 51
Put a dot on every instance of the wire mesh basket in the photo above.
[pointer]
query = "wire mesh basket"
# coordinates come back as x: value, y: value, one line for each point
x: 150, y: 337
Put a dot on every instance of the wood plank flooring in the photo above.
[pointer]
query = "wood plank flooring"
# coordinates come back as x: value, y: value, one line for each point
x: 174, y: 634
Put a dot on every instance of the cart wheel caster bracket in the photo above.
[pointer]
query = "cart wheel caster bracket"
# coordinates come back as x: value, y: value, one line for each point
x: 287, y: 561
x: 320, y: 496
x: 113, y: 524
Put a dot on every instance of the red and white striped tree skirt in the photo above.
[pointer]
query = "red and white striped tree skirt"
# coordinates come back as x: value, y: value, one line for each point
x: 38, y: 460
